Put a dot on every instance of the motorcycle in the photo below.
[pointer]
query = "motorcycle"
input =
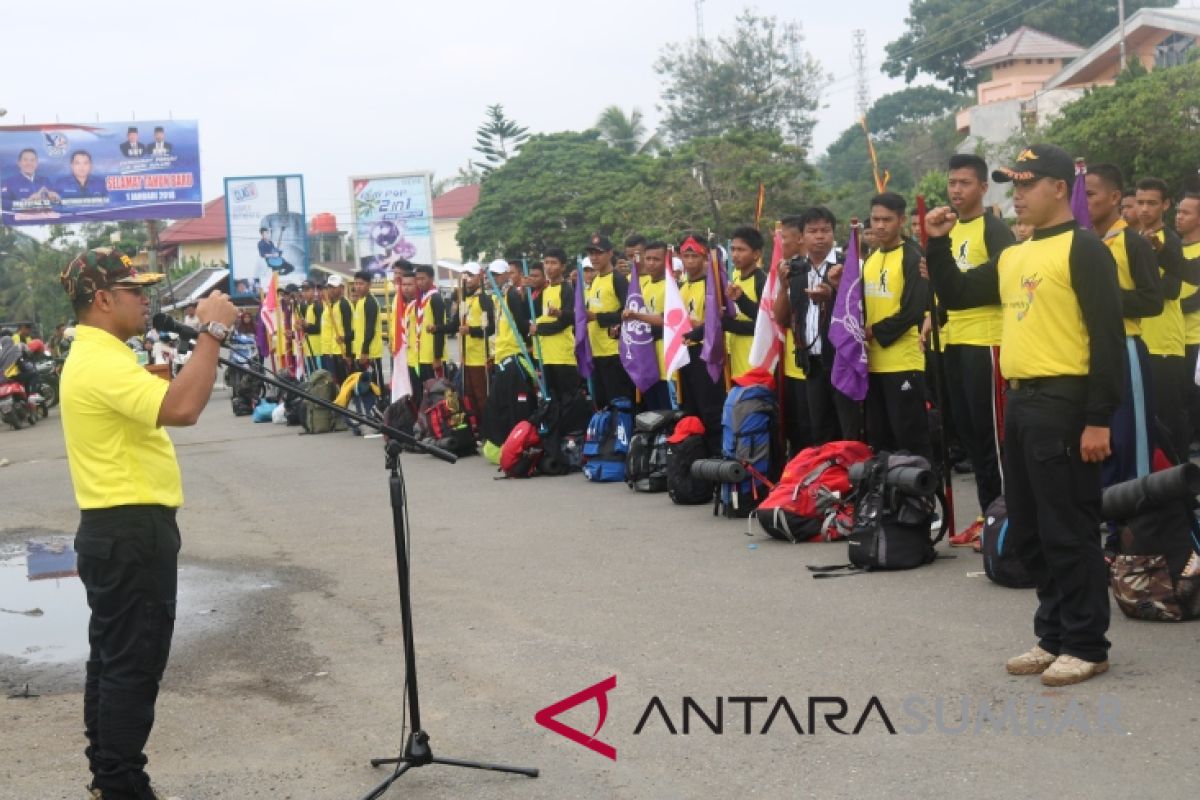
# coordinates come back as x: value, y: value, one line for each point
x: 48, y: 370
x: 17, y: 407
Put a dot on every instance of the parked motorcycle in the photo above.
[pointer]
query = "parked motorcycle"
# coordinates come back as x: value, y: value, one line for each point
x: 16, y: 407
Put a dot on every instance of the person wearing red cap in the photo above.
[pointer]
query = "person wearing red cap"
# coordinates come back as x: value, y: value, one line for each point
x: 702, y: 396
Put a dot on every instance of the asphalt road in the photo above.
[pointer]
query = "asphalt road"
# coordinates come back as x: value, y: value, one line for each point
x: 287, y: 672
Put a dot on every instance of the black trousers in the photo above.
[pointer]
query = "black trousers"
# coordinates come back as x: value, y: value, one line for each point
x: 1054, y: 516
x: 832, y: 415
x: 562, y: 380
x: 1171, y: 398
x: 1193, y: 352
x: 703, y: 397
x: 896, y: 414
x: 657, y: 397
x: 795, y: 415
x: 610, y: 381
x: 128, y: 562
x: 971, y: 395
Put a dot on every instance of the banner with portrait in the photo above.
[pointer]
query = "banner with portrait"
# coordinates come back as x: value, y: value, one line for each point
x: 265, y: 220
x: 56, y: 173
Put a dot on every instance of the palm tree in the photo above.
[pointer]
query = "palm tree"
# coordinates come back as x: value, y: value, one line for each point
x: 626, y: 133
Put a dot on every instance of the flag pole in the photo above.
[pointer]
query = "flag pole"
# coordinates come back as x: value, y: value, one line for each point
x: 939, y: 375
x: 719, y: 295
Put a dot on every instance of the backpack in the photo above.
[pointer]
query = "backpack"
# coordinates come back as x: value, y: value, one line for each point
x: 401, y: 415
x: 748, y: 424
x: 1155, y: 577
x: 812, y: 497
x: 241, y: 406
x: 1000, y: 561
x: 607, y: 442
x: 522, y: 451
x: 264, y: 410
x: 646, y: 462
x: 685, y: 446
x: 511, y: 399
x: 317, y: 419
x: 562, y: 423
x: 442, y: 420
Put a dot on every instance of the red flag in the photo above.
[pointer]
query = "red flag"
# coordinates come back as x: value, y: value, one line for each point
x: 769, y: 335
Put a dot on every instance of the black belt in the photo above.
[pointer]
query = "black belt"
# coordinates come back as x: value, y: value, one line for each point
x: 94, y: 515
x: 1070, y: 382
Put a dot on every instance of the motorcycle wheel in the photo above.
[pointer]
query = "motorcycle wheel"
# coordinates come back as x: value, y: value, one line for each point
x: 49, y: 394
x: 17, y: 418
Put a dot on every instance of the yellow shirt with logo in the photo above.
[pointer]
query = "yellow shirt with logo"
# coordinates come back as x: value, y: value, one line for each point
x: 506, y: 339
x: 883, y: 288
x: 1115, y: 239
x: 472, y: 315
x: 1191, y: 320
x: 738, y: 345
x: 116, y: 452
x: 974, y: 326
x: 314, y: 343
x: 1164, y: 334
x: 602, y: 299
x: 654, y: 294
x: 359, y: 321
x: 557, y: 348
x: 693, y: 294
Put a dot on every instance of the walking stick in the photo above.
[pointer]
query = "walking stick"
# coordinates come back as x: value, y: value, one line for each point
x: 939, y: 377
x: 537, y: 340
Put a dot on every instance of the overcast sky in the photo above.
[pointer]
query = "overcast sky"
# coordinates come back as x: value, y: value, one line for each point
x: 333, y: 89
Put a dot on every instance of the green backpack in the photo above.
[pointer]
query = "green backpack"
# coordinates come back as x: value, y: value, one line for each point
x: 315, y: 418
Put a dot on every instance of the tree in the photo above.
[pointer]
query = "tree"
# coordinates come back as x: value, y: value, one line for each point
x: 466, y: 176
x: 626, y: 133
x: 942, y: 34
x: 756, y: 78
x: 933, y: 187
x: 29, y: 287
x: 497, y: 139
x: 1147, y: 125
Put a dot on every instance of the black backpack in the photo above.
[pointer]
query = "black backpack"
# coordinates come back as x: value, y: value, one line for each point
x: 512, y: 398
x: 646, y: 462
x: 562, y: 423
x: 681, y: 486
x: 1000, y: 562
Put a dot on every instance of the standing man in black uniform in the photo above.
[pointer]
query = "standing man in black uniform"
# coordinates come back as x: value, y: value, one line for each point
x: 1062, y: 353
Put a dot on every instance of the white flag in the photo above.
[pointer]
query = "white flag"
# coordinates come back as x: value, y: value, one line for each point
x: 676, y: 323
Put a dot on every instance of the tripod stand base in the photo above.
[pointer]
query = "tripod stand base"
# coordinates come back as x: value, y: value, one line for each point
x: 418, y: 754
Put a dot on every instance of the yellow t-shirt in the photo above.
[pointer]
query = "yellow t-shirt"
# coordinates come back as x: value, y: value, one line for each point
x: 116, y: 452
x: 506, y: 339
x: 473, y: 316
x: 1164, y: 334
x: 738, y: 344
x: 1115, y: 239
x: 314, y: 343
x: 359, y: 321
x: 602, y: 299
x: 654, y: 294
x: 975, y: 326
x: 557, y: 348
x: 883, y: 287
x: 790, y: 368
x: 1191, y: 320
x: 692, y: 293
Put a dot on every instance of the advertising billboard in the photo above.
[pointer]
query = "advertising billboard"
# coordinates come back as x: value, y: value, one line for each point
x: 59, y: 173
x: 265, y: 220
x: 393, y: 219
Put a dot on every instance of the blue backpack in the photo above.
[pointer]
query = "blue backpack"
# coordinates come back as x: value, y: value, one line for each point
x: 748, y: 424
x: 607, y: 443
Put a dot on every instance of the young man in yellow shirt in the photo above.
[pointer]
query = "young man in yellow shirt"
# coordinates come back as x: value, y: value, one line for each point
x: 745, y: 251
x: 367, y: 322
x: 476, y: 325
x: 702, y: 396
x: 554, y: 324
x: 127, y: 484
x: 652, y: 277
x: 605, y: 303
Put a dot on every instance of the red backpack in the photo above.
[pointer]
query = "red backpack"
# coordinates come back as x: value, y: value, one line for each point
x: 810, y: 499
x: 521, y: 452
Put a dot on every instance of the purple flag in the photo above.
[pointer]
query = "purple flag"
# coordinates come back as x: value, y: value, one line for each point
x: 638, y: 355
x: 713, y: 351
x: 583, y: 345
x: 1079, y: 205
x: 846, y: 328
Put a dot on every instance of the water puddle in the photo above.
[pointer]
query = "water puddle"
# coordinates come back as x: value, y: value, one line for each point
x: 43, y: 608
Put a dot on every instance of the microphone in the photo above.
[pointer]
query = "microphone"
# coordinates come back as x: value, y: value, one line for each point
x: 165, y: 323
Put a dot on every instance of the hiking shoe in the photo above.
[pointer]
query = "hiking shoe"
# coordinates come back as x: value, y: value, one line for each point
x: 1034, y: 662
x: 969, y: 535
x: 1068, y: 669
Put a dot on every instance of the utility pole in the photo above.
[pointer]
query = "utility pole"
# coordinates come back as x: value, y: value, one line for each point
x: 699, y: 20
x: 1121, y: 29
x: 862, y: 90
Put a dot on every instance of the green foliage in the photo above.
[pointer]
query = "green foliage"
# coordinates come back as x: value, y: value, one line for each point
x: 627, y: 133
x: 1148, y: 125
x: 933, y: 186
x: 497, y: 139
x: 942, y: 34
x: 757, y: 78
x: 29, y: 287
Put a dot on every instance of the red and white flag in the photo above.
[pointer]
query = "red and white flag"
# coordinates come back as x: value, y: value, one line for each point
x: 769, y: 335
x: 401, y: 381
x: 270, y: 305
x: 676, y: 324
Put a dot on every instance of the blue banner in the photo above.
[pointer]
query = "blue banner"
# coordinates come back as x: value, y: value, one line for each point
x: 56, y: 174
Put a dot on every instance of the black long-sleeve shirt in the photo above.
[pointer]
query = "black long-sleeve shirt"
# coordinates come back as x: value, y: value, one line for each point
x: 1093, y: 275
x: 1145, y: 299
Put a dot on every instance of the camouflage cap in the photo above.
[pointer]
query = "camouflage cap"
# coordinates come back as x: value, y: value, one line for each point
x: 102, y: 268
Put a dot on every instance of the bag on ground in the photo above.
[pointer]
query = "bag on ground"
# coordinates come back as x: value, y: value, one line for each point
x: 1156, y: 577
x: 607, y: 443
x: 511, y: 399
x: 522, y: 451
x: 646, y: 462
x: 812, y: 499
x: 317, y: 419
x: 685, y: 446
x: 1000, y: 561
x: 749, y: 421
x: 562, y: 423
x: 892, y: 524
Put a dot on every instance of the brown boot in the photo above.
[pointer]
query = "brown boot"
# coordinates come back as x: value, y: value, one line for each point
x: 1034, y: 662
x: 1067, y: 670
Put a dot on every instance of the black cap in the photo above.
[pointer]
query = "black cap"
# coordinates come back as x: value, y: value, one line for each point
x: 159, y: 129
x: 133, y: 129
x: 598, y: 243
x: 1038, y: 161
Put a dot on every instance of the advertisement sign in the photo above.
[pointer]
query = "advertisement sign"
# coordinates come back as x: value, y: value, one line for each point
x: 393, y: 219
x: 57, y: 173
x: 267, y: 232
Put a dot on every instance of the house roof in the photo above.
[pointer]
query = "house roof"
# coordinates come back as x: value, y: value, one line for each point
x: 191, y: 287
x: 208, y: 228
x: 1139, y: 26
x: 456, y: 203
x: 1025, y: 42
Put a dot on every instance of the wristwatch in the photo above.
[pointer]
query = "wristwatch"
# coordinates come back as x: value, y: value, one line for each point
x: 216, y: 330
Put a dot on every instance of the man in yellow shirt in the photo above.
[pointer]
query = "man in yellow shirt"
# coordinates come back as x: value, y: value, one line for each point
x: 895, y: 298
x: 367, y: 322
x: 1187, y: 225
x: 652, y: 276
x: 128, y: 487
x: 702, y: 396
x: 554, y: 325
x: 745, y: 251
x: 476, y: 325
x: 605, y: 297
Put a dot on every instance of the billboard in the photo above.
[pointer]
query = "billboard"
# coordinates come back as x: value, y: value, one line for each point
x: 393, y: 219
x: 56, y: 173
x: 264, y: 217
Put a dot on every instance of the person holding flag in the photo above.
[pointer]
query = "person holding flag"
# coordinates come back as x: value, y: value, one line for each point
x: 637, y: 350
x: 745, y: 290
x: 554, y: 327
x: 703, y: 374
x: 653, y: 284
x: 406, y: 291
x: 677, y: 324
x: 477, y: 323
x: 605, y: 303
x: 427, y: 327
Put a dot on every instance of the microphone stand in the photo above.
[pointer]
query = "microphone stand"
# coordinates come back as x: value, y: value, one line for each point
x: 416, y: 751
